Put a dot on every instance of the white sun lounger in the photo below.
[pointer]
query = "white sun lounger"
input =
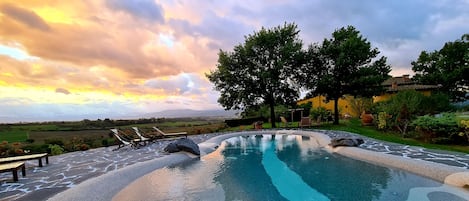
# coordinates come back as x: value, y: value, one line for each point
x: 134, y: 143
x: 143, y: 138
x: 170, y: 134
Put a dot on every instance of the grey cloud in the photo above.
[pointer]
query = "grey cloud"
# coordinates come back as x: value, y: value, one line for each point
x: 378, y: 19
x: 62, y: 90
x: 24, y: 16
x: 225, y: 30
x: 401, y: 29
x: 182, y: 84
x: 146, y: 9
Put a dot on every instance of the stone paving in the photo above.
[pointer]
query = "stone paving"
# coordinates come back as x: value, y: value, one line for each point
x: 67, y: 170
x: 419, y: 153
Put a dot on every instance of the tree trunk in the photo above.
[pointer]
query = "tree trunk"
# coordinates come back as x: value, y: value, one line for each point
x: 336, y: 111
x: 272, y: 113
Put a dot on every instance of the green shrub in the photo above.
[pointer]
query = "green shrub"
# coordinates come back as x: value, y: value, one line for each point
x: 435, y: 103
x: 405, y: 106
x: 54, y: 141
x: 382, y: 120
x: 443, y: 126
x: 84, y: 147
x: 105, y: 142
x: 29, y: 140
x: 319, y: 112
x: 73, y: 145
x: 464, y: 125
x: 36, y: 148
x: 56, y: 149
x: 88, y: 141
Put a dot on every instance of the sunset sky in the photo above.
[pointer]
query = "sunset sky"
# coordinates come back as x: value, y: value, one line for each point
x: 71, y: 60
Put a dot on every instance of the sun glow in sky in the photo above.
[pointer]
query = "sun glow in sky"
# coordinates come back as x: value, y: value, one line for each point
x: 71, y: 60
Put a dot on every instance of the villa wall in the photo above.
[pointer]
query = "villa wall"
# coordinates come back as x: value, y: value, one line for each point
x: 320, y: 101
x: 344, y: 103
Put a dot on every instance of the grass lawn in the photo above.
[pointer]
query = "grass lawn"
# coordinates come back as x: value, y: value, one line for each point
x: 13, y: 135
x: 354, y: 126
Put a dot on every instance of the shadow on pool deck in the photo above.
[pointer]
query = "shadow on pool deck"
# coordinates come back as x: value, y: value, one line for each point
x: 68, y: 170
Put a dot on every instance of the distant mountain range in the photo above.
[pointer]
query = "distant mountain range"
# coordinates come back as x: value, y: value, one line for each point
x: 193, y: 113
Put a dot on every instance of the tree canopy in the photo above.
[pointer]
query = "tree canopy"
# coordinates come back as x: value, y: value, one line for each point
x: 448, y: 67
x: 262, y: 70
x: 345, y: 64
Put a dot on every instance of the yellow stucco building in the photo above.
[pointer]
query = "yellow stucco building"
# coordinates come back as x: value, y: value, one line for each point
x: 320, y: 101
x: 392, y: 85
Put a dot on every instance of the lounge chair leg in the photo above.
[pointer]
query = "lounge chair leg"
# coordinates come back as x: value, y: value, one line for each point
x: 15, y: 174
x: 23, y: 170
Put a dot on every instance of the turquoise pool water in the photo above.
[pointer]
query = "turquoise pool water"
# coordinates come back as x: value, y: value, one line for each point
x: 288, y: 167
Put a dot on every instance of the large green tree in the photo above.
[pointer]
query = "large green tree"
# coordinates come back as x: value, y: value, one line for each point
x: 448, y: 67
x: 261, y: 70
x: 345, y: 64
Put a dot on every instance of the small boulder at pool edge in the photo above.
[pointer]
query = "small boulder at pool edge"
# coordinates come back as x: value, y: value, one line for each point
x: 348, y: 142
x: 183, y: 144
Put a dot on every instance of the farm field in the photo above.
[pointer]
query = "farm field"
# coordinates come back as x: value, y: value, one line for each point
x: 18, y: 139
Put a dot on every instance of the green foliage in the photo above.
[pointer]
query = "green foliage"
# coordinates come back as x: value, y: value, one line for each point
x: 439, y: 128
x: 260, y: 71
x: 56, y: 149
x: 410, y: 99
x: 319, y: 113
x: 382, y: 120
x: 263, y: 111
x: 360, y: 104
x: 345, y: 64
x: 464, y: 125
x: 105, y: 142
x: 84, y: 147
x: 306, y: 108
x: 74, y: 144
x: 447, y: 67
x: 435, y: 103
x: 405, y: 106
x: 54, y: 141
x: 36, y: 148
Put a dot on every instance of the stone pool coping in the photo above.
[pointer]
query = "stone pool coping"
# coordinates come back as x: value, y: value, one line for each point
x: 106, y: 186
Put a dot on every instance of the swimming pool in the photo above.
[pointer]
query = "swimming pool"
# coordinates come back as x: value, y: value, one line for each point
x: 284, y: 167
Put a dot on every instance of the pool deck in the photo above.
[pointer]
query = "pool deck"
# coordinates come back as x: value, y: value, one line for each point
x: 100, y: 170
